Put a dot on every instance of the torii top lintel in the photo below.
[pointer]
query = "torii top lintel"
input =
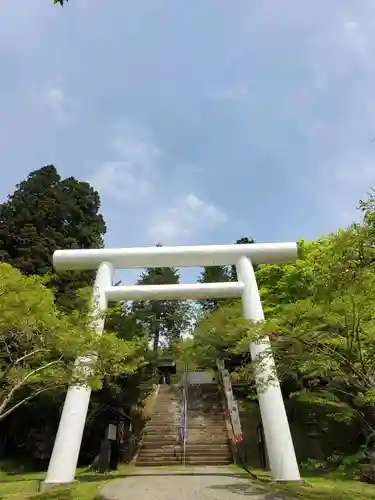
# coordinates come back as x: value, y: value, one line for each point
x: 175, y: 256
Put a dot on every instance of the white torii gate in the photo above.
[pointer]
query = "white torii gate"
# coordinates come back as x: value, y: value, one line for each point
x: 282, y: 458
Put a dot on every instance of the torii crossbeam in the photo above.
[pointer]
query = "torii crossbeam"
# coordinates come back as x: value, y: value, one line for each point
x: 282, y: 458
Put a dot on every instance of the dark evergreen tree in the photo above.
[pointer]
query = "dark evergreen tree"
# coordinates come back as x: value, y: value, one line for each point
x: 245, y: 240
x: 217, y: 274
x: 46, y: 213
x: 163, y: 320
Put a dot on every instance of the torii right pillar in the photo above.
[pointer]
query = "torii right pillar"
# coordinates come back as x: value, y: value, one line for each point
x: 280, y: 448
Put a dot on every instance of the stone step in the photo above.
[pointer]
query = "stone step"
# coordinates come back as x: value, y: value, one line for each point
x: 160, y: 427
x: 206, y: 441
x: 178, y: 458
x: 199, y: 431
x: 214, y: 412
x: 158, y: 457
x: 162, y: 403
x: 206, y: 432
x: 156, y: 437
x: 208, y: 461
x: 148, y: 457
x: 165, y: 414
x: 206, y: 416
x: 203, y: 447
x: 206, y: 435
x: 160, y: 441
x: 209, y: 453
x: 168, y: 408
x: 206, y: 410
x: 190, y: 461
x: 160, y: 421
x: 192, y: 449
x: 212, y: 415
x: 160, y: 453
x: 161, y: 430
x: 204, y: 428
x: 152, y: 463
x: 165, y: 417
x: 207, y: 428
x: 206, y: 424
x: 202, y: 431
x: 159, y: 438
x: 160, y: 446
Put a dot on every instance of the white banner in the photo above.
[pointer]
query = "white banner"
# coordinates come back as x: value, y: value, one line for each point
x: 232, y: 404
x: 236, y: 423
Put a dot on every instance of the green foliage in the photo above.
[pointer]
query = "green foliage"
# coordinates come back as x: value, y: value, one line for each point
x: 219, y: 334
x: 46, y: 213
x: 164, y: 321
x: 328, y: 338
x: 61, y: 2
x: 321, y: 321
x: 219, y: 274
x: 39, y: 344
x: 216, y: 274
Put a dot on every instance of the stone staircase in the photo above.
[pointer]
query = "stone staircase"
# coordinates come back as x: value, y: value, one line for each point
x: 207, y: 440
x: 160, y: 443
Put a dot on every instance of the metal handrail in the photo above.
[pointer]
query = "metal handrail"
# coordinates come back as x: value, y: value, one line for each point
x: 183, y: 418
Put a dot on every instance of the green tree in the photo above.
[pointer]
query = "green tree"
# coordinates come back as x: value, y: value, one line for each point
x: 61, y: 2
x: 46, y: 213
x: 163, y: 320
x: 242, y: 241
x: 39, y: 344
x: 327, y: 337
x: 217, y: 274
x: 320, y: 317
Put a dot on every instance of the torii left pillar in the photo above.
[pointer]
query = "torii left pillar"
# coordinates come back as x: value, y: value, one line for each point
x: 64, y: 458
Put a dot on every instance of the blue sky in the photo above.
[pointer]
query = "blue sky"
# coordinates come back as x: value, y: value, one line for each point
x: 197, y: 121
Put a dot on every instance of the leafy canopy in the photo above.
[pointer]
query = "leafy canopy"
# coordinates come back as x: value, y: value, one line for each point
x: 39, y: 344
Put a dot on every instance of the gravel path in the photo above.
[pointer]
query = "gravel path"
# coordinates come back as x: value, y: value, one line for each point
x: 194, y: 483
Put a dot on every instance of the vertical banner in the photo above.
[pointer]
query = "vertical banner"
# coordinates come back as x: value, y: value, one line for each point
x: 231, y: 402
x: 236, y: 423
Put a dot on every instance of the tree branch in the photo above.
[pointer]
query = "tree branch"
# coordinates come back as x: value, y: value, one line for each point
x: 28, y: 398
x: 6, y: 400
x: 20, y: 360
x: 333, y: 353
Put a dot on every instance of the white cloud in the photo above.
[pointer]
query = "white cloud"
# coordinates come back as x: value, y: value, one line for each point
x: 136, y: 181
x: 134, y: 174
x: 357, y: 39
x: 184, y: 219
x: 234, y: 92
x: 56, y: 101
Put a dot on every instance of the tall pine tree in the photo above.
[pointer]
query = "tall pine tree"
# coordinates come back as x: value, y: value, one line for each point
x: 163, y: 320
x: 242, y: 241
x: 46, y: 213
x: 217, y: 274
